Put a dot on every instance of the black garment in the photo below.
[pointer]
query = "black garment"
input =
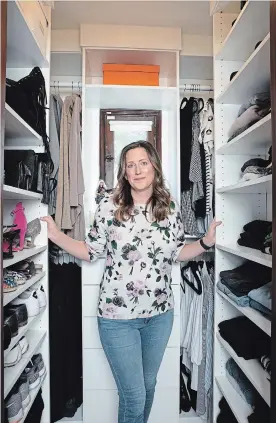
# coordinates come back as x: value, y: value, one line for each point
x: 226, y: 415
x: 246, y: 277
x: 65, y: 311
x: 257, y: 235
x: 255, y: 162
x: 247, y: 339
x: 261, y: 413
x: 200, y: 205
x: 36, y: 410
x: 186, y: 131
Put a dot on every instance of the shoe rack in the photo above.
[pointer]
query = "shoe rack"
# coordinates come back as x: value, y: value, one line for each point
x: 27, y: 46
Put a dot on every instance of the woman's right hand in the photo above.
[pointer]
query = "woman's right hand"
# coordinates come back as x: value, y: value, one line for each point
x: 53, y: 230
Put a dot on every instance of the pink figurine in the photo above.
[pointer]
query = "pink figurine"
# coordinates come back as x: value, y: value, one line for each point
x: 21, y: 223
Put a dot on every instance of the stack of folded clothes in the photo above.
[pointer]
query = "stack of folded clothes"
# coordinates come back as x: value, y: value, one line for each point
x: 239, y: 282
x: 256, y: 168
x: 247, y: 391
x: 246, y: 339
x: 258, y: 235
x: 251, y: 112
x: 226, y: 415
x: 261, y: 299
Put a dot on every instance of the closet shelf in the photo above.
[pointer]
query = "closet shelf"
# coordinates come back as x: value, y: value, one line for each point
x: 256, y: 186
x: 256, y: 138
x: 22, y: 331
x: 130, y: 97
x: 33, y: 395
x: 251, y: 314
x: 9, y: 296
x: 18, y: 35
x: 252, y: 78
x: 13, y: 193
x: 239, y: 407
x: 12, y: 374
x: 18, y: 133
x: 253, y: 15
x: 247, y: 253
x: 23, y: 255
x: 252, y: 370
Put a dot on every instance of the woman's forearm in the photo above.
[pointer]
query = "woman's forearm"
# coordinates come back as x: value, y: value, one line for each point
x: 76, y: 248
x: 190, y: 251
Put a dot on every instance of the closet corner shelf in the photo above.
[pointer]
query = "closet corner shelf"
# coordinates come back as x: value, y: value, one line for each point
x: 239, y: 407
x: 18, y: 132
x: 10, y: 296
x: 253, y: 77
x: 252, y: 370
x: 247, y: 253
x: 251, y: 314
x: 261, y: 185
x: 13, y: 193
x: 130, y: 97
x: 23, y: 255
x: 256, y: 138
x: 11, y: 374
x: 33, y: 395
x: 19, y: 34
x: 253, y: 15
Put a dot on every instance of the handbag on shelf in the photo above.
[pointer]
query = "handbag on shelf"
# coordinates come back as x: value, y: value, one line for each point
x: 27, y: 97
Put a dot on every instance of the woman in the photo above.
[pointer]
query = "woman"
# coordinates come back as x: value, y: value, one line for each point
x: 141, y: 231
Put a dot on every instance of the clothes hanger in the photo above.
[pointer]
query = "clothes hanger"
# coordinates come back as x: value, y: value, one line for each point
x: 197, y: 289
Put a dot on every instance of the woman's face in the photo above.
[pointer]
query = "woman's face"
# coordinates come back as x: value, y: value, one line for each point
x: 139, y: 170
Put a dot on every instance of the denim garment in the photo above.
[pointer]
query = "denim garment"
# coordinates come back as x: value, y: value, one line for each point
x: 247, y: 389
x: 259, y: 307
x: 263, y: 295
x: 240, y: 301
x: 134, y: 350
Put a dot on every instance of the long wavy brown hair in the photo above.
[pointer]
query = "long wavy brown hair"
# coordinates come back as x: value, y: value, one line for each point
x: 160, y: 200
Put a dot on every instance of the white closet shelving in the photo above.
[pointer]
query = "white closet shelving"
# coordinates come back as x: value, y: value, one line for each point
x: 239, y: 202
x: 28, y: 42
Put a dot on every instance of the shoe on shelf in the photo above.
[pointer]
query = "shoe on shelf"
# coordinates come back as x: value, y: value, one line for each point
x: 13, y: 357
x: 21, y: 312
x: 31, y: 371
x: 38, y: 288
x: 30, y: 299
x: 38, y: 361
x: 24, y: 390
x: 7, y: 336
x: 9, y: 282
x: 19, y: 277
x: 33, y: 230
x: 14, y: 408
x: 10, y: 319
x: 19, y: 219
x: 24, y: 344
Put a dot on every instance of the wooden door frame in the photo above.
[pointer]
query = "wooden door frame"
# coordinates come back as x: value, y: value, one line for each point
x: 273, y: 120
x: 143, y: 114
x: 3, y: 20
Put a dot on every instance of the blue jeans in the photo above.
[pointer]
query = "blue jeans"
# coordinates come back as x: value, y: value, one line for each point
x: 134, y: 350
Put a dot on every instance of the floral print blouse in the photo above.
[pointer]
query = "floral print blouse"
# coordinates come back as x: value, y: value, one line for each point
x: 139, y: 255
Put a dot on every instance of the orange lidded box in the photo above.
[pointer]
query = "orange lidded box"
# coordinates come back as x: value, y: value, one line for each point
x: 119, y: 74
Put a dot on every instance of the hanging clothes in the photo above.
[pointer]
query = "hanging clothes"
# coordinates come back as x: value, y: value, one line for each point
x: 196, y: 328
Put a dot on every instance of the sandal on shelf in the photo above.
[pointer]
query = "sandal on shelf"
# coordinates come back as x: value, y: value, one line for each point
x: 19, y: 277
x: 33, y: 230
x: 8, y: 242
x: 21, y: 224
x: 9, y: 284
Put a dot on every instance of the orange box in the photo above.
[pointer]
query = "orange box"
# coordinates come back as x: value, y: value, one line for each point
x: 119, y: 74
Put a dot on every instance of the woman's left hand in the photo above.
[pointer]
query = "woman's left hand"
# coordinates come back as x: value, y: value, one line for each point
x: 210, y: 237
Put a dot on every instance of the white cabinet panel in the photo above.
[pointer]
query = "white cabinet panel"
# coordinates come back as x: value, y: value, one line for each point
x: 101, y: 406
x: 90, y: 295
x: 97, y: 374
x: 91, y: 337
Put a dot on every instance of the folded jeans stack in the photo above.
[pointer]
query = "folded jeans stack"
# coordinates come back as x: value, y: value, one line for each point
x: 251, y: 112
x: 261, y: 299
x: 257, y: 235
x: 238, y: 282
x: 256, y: 168
x: 247, y: 339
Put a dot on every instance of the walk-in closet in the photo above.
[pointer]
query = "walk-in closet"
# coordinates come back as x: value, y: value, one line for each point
x: 80, y: 80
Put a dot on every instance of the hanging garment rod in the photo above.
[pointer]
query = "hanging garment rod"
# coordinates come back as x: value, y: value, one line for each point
x: 59, y: 84
x: 196, y: 88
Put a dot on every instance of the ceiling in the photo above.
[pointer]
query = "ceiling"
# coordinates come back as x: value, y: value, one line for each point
x: 192, y: 16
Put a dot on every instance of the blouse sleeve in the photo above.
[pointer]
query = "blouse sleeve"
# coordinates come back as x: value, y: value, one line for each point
x: 97, y: 237
x: 180, y: 235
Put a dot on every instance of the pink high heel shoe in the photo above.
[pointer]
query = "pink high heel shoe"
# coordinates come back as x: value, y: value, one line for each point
x: 21, y: 223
